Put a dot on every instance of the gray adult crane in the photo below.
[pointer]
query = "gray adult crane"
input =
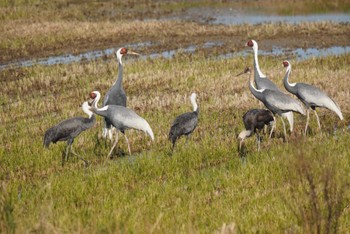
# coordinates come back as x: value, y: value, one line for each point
x: 116, y: 94
x: 311, y: 96
x: 274, y: 100
x: 262, y: 82
x: 68, y: 130
x: 121, y: 118
x: 186, y: 123
x: 254, y: 120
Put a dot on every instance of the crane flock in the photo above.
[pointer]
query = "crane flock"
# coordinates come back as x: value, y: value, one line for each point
x: 117, y: 115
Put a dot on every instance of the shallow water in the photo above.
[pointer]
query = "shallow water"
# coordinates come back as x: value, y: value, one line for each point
x: 299, y: 54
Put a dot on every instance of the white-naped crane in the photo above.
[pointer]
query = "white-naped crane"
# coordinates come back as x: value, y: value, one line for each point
x: 262, y: 82
x: 121, y: 118
x: 186, y: 123
x: 68, y: 130
x: 274, y: 100
x: 254, y: 120
x: 116, y: 94
x: 311, y: 96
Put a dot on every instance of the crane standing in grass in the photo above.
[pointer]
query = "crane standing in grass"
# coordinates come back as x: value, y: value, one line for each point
x: 68, y: 130
x: 262, y: 82
x: 254, y: 120
x: 116, y: 94
x: 311, y: 96
x: 186, y: 123
x: 121, y: 118
x: 276, y: 101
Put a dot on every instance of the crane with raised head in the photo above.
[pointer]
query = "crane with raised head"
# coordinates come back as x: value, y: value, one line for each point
x: 116, y: 94
x: 68, y: 130
x: 254, y: 120
x: 274, y: 100
x: 185, y: 123
x: 121, y: 118
x: 262, y: 82
x: 311, y: 96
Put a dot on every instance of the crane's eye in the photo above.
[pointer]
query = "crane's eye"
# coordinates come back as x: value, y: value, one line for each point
x: 92, y: 95
x: 250, y: 43
x: 123, y: 51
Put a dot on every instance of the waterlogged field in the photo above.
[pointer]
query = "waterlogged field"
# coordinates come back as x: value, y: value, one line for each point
x: 296, y: 186
x: 289, y: 186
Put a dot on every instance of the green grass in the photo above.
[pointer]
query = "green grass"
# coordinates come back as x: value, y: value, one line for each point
x: 203, y: 185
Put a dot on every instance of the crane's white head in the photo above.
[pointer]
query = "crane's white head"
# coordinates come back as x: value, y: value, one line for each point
x: 286, y: 63
x: 193, y: 101
x: 95, y: 96
x: 123, y: 51
x: 253, y: 44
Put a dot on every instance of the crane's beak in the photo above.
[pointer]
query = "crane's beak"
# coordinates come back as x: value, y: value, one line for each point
x: 240, y: 74
x: 134, y: 53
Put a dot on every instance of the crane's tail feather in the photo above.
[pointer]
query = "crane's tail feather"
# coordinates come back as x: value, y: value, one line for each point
x: 334, y: 107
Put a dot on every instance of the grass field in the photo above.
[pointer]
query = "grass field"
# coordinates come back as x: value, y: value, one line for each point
x: 205, y: 186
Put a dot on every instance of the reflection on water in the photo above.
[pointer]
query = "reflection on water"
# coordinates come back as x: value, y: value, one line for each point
x: 299, y: 54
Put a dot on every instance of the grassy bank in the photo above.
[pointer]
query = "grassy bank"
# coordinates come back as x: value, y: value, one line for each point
x: 299, y: 186
x: 35, y: 29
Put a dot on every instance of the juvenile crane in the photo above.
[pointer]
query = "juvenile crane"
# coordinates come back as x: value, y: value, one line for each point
x: 254, y: 120
x: 186, y: 123
x: 311, y: 96
x: 121, y: 118
x: 276, y: 101
x: 116, y: 94
x: 262, y: 82
x: 68, y: 130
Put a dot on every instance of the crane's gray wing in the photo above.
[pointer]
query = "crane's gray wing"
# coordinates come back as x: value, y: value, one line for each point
x: 283, y: 102
x: 185, y: 123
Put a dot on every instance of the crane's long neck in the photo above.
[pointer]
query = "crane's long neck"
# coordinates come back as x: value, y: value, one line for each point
x: 119, y: 82
x: 257, y: 93
x: 87, y: 110
x: 94, y: 108
x: 257, y: 72
x: 194, y: 104
x: 290, y: 87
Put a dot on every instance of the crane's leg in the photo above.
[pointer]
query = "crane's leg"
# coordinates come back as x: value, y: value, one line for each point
x: 81, y: 158
x: 284, y: 129
x: 273, y: 126
x: 115, y: 143
x: 318, y: 120
x: 258, y: 140
x: 66, y: 156
x: 307, y: 120
x: 127, y: 141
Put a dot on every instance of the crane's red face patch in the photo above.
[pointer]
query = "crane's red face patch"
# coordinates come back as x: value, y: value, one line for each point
x: 123, y: 51
x: 285, y: 64
x: 92, y: 95
x: 250, y: 43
